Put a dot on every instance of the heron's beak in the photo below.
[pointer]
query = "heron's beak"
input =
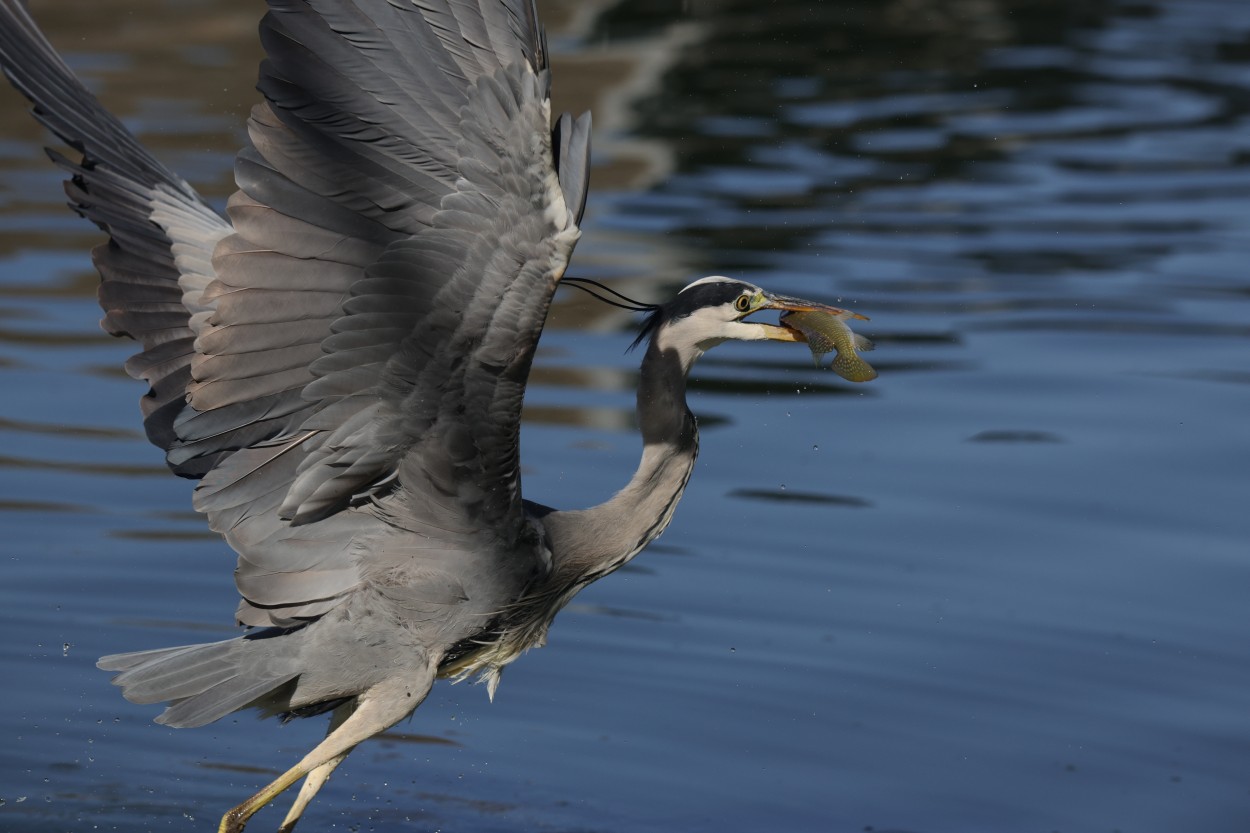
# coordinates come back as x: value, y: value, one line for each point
x: 787, y: 304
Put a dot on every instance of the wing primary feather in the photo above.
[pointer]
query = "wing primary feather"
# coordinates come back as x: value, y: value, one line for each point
x: 157, y: 223
x: 405, y: 207
x: 571, y: 141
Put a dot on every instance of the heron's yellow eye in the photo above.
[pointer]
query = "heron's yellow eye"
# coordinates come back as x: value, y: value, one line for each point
x: 743, y: 303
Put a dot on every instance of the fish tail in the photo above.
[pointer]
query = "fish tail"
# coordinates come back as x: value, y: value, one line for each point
x: 850, y: 366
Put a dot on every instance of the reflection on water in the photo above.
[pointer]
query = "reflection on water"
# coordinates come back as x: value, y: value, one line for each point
x: 1000, y: 588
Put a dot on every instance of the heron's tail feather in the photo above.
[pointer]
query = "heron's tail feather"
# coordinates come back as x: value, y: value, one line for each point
x: 201, y: 683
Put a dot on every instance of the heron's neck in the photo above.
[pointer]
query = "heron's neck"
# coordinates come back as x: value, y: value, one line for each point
x: 590, y: 543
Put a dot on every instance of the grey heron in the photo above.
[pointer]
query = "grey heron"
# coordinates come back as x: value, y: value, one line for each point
x: 340, y: 358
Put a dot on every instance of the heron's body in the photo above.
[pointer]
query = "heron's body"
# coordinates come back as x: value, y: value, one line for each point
x: 340, y: 358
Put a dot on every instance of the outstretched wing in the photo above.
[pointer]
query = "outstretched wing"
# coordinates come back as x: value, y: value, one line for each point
x: 348, y: 354
x: 162, y: 234
x: 398, y: 234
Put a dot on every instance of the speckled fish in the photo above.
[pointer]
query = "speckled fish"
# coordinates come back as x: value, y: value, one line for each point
x: 827, y: 332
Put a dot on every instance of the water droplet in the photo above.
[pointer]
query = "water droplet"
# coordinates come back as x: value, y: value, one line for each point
x: 815, y: 447
x: 64, y: 649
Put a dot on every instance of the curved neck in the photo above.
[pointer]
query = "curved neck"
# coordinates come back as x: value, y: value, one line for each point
x: 590, y: 543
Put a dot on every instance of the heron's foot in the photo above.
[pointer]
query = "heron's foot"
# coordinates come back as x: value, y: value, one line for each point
x: 233, y: 821
x: 236, y: 819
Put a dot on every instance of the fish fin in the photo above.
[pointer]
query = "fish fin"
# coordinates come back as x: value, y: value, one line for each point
x: 863, y: 345
x: 852, y: 368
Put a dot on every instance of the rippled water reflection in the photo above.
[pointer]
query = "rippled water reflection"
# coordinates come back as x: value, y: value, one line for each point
x: 1004, y: 587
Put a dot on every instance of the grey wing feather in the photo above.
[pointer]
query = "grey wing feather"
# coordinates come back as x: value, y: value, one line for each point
x: 571, y: 141
x: 349, y: 354
x: 162, y: 233
x: 477, y: 283
x: 409, y: 151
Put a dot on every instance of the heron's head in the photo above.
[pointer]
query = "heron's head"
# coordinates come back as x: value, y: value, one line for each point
x: 713, y: 310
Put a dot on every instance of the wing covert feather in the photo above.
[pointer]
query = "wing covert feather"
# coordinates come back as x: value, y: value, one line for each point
x: 346, y: 356
x: 399, y: 231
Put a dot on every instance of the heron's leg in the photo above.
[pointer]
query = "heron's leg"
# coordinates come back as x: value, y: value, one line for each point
x: 377, y: 710
x: 316, y: 779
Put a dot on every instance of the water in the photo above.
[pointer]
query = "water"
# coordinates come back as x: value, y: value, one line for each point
x: 1001, y: 588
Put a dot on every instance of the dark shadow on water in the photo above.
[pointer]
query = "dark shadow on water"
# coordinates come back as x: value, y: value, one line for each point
x: 1015, y: 437
x: 417, y: 739
x: 103, y: 469
x: 25, y: 506
x: 242, y: 769
x: 164, y: 535
x: 63, y: 430
x: 620, y: 612
x: 790, y: 496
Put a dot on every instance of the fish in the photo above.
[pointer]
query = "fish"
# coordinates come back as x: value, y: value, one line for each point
x: 826, y: 333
